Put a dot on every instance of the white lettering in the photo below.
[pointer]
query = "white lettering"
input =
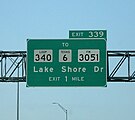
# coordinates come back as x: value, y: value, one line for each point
x: 35, y: 69
x: 73, y: 69
x: 54, y: 78
x: 43, y: 69
x: 78, y: 79
x: 98, y: 69
x: 77, y: 34
x: 73, y: 34
x: 65, y: 44
x: 101, y: 69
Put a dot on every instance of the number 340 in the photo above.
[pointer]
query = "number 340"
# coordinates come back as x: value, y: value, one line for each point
x: 44, y: 57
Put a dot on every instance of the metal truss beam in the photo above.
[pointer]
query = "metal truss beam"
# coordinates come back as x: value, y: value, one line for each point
x: 119, y: 66
x: 13, y: 66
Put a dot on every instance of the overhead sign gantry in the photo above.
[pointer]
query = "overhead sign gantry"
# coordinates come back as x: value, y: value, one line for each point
x: 13, y: 63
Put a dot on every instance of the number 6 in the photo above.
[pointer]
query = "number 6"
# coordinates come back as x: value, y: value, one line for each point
x: 65, y: 58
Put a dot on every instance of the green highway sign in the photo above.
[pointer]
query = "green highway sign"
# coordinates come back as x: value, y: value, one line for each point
x: 66, y: 62
x: 91, y: 34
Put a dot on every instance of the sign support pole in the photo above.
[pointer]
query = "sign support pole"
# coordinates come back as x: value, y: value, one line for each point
x: 18, y: 87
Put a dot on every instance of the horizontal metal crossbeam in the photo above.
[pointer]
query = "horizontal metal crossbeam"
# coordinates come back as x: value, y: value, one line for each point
x: 120, y: 66
x: 122, y: 61
x: 12, y: 66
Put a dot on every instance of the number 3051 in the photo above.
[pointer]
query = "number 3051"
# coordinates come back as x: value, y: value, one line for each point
x: 88, y: 55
